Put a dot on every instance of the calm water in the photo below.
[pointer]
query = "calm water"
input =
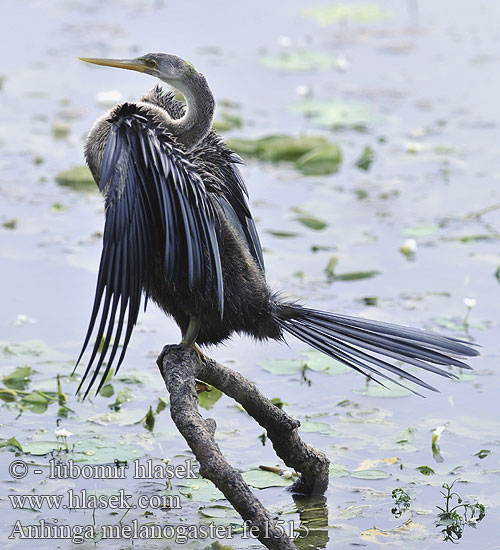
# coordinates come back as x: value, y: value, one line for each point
x: 424, y: 75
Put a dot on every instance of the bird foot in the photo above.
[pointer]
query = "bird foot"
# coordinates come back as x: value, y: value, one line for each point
x: 202, y: 387
x: 201, y: 355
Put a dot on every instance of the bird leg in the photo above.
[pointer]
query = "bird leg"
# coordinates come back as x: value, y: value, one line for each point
x: 189, y: 339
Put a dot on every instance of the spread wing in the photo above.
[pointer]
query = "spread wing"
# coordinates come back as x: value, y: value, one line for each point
x: 221, y: 175
x: 234, y: 197
x: 155, y: 201
x: 225, y: 182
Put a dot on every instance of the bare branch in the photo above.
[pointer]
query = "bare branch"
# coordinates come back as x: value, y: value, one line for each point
x: 180, y: 366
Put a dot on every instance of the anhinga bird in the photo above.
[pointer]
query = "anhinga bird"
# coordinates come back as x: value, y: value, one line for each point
x: 178, y: 229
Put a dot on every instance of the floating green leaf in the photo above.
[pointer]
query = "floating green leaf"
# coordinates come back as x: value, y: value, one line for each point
x: 483, y: 453
x: 207, y: 399
x: 312, y: 222
x: 352, y: 276
x: 405, y: 436
x: 18, y: 379
x: 107, y: 390
x: 425, y: 470
x: 323, y: 160
x: 11, y: 442
x: 261, y: 479
x: 390, y: 390
x: 282, y: 234
x: 366, y: 159
x: 320, y: 427
x: 78, y: 178
x: 40, y: 448
x: 149, y: 420
x: 200, y: 490
x: 219, y: 511
x: 123, y: 396
x: 278, y: 402
x: 317, y: 361
x: 337, y: 114
x: 32, y: 348
x: 8, y: 395
x: 227, y: 121
x: 37, y: 401
x: 281, y: 366
x: 299, y: 61
x: 423, y: 230
x: 370, y: 474
x: 314, y: 360
x: 341, y: 11
x: 312, y: 155
x: 10, y: 224
x: 337, y: 470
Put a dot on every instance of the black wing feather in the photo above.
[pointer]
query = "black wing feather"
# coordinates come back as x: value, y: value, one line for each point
x: 155, y: 200
x: 221, y: 174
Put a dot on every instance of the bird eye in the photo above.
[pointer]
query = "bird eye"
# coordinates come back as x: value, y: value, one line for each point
x: 151, y: 63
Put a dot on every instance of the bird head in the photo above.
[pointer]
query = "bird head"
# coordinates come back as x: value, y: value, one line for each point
x: 167, y: 67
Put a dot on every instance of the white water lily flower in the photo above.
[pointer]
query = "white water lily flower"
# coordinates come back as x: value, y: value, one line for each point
x: 409, y: 247
x: 470, y: 302
x: 303, y: 90
x: 62, y: 432
x: 284, y: 42
x: 436, y: 434
x: 23, y: 320
x: 341, y: 63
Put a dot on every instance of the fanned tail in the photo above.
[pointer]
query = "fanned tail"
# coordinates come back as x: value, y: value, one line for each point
x: 359, y: 343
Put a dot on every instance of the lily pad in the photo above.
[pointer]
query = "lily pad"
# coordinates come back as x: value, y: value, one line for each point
x: 312, y: 155
x: 78, y: 178
x: 322, y: 160
x: 200, y: 490
x: 281, y: 366
x: 17, y: 379
x: 11, y: 444
x: 340, y: 11
x: 312, y: 223
x: 261, y: 479
x: 37, y: 401
x: 307, y: 426
x: 337, y: 470
x: 391, y: 390
x: 353, y: 275
x: 299, y: 61
x: 40, y: 448
x: 366, y: 159
x: 282, y: 234
x: 227, y: 121
x: 370, y: 474
x: 314, y: 360
x: 337, y: 114
x: 426, y: 470
x: 207, y: 399
x: 31, y: 348
x: 220, y: 511
x: 423, y: 230
x: 318, y: 361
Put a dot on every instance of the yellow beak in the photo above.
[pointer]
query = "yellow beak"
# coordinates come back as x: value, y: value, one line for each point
x: 131, y: 64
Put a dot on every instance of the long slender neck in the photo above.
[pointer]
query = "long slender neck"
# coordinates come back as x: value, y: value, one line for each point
x: 200, y: 106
